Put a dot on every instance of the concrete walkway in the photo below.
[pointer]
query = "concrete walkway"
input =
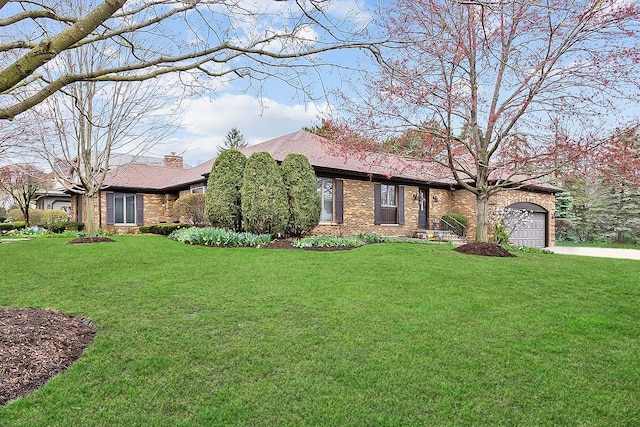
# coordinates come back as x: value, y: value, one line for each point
x: 596, y: 252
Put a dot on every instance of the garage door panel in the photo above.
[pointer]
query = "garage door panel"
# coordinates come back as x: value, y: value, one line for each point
x: 534, y: 234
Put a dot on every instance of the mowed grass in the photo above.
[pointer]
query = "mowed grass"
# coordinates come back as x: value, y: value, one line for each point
x: 383, y: 335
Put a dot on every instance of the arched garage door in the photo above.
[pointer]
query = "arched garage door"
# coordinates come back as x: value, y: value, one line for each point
x: 533, y: 234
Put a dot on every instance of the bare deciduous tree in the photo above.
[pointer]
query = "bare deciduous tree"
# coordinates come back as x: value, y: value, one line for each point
x: 205, y: 38
x: 87, y: 122
x: 22, y: 182
x: 483, y: 83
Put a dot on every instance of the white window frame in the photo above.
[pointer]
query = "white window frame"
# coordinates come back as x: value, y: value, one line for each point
x: 125, y: 210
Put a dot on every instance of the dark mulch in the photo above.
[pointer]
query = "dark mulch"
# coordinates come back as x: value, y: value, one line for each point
x: 288, y: 244
x: 484, y: 249
x: 96, y: 239
x: 36, y: 345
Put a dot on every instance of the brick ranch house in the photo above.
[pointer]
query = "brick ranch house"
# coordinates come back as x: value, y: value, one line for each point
x: 383, y: 194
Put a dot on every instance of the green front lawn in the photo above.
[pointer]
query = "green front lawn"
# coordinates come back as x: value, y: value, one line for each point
x: 382, y: 335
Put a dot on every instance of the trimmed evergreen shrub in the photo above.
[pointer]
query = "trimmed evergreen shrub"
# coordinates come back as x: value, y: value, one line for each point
x: 223, y: 200
x: 6, y: 226
x: 190, y: 207
x: 18, y: 225
x: 264, y: 197
x: 302, y: 193
x: 163, y: 229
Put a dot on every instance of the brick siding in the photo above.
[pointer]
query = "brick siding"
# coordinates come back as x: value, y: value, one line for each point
x: 359, y: 209
x: 358, y: 213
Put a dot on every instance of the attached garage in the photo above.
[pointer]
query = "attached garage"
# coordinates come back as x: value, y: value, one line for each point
x: 533, y: 234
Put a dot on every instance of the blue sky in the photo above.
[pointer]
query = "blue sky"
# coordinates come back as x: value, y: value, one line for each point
x: 279, y: 109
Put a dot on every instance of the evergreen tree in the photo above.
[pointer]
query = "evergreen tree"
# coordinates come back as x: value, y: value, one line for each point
x: 264, y: 196
x: 223, y: 204
x: 302, y: 192
x: 234, y: 139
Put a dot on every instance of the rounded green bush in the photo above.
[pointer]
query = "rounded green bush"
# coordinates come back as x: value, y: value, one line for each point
x: 223, y: 199
x: 302, y: 192
x: 263, y: 196
x: 51, y: 217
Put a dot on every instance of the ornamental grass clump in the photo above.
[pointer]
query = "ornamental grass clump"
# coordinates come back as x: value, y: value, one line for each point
x: 211, y: 236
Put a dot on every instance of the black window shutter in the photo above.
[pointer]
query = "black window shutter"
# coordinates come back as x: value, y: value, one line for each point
x: 377, y: 210
x: 339, y: 201
x: 139, y: 209
x: 110, y: 209
x: 401, y: 204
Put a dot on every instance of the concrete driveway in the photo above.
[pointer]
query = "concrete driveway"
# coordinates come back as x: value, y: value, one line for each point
x: 596, y: 252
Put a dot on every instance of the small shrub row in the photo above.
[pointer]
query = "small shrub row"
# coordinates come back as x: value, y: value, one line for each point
x: 351, y: 241
x: 61, y: 227
x: 211, y: 236
x: 329, y: 241
x: 163, y: 229
x: 16, y: 225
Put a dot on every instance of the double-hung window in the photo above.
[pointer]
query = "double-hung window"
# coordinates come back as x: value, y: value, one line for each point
x: 389, y: 204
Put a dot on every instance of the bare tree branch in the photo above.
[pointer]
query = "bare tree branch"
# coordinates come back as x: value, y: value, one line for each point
x: 213, y: 37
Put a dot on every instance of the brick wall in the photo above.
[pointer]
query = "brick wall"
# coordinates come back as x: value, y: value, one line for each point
x: 547, y: 201
x: 358, y: 214
x: 464, y: 202
x: 154, y: 212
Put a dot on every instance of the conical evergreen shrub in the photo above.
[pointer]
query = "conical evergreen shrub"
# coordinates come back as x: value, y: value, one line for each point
x: 223, y: 199
x: 302, y: 192
x: 264, y: 197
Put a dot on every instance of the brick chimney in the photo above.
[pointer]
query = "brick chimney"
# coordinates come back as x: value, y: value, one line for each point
x: 173, y: 161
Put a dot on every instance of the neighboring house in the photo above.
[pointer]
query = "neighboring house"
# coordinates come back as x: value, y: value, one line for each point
x: 383, y: 194
x: 56, y: 198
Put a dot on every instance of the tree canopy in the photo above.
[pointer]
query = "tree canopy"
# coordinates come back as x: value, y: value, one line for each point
x: 484, y: 86
x: 198, y: 40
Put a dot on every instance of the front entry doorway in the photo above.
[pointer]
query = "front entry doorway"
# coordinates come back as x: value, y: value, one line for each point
x: 422, y: 208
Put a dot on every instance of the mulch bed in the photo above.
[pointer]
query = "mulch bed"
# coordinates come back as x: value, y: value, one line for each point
x: 96, y: 239
x: 36, y: 345
x: 484, y: 249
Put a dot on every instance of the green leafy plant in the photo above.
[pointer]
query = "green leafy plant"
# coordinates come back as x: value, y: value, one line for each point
x: 501, y: 236
x: 212, y: 236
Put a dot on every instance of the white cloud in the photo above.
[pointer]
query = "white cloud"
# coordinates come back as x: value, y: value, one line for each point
x: 206, y: 122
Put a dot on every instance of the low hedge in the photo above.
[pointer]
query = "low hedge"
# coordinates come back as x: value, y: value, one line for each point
x: 61, y: 227
x: 163, y: 229
x: 6, y: 226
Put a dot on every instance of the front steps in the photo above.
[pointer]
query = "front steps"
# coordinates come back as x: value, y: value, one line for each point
x: 440, y: 236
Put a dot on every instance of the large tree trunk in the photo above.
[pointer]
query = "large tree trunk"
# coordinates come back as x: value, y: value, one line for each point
x: 482, y: 218
x: 90, y: 217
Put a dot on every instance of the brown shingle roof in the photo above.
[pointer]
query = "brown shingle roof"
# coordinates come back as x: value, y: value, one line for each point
x: 150, y: 177
x: 323, y: 154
